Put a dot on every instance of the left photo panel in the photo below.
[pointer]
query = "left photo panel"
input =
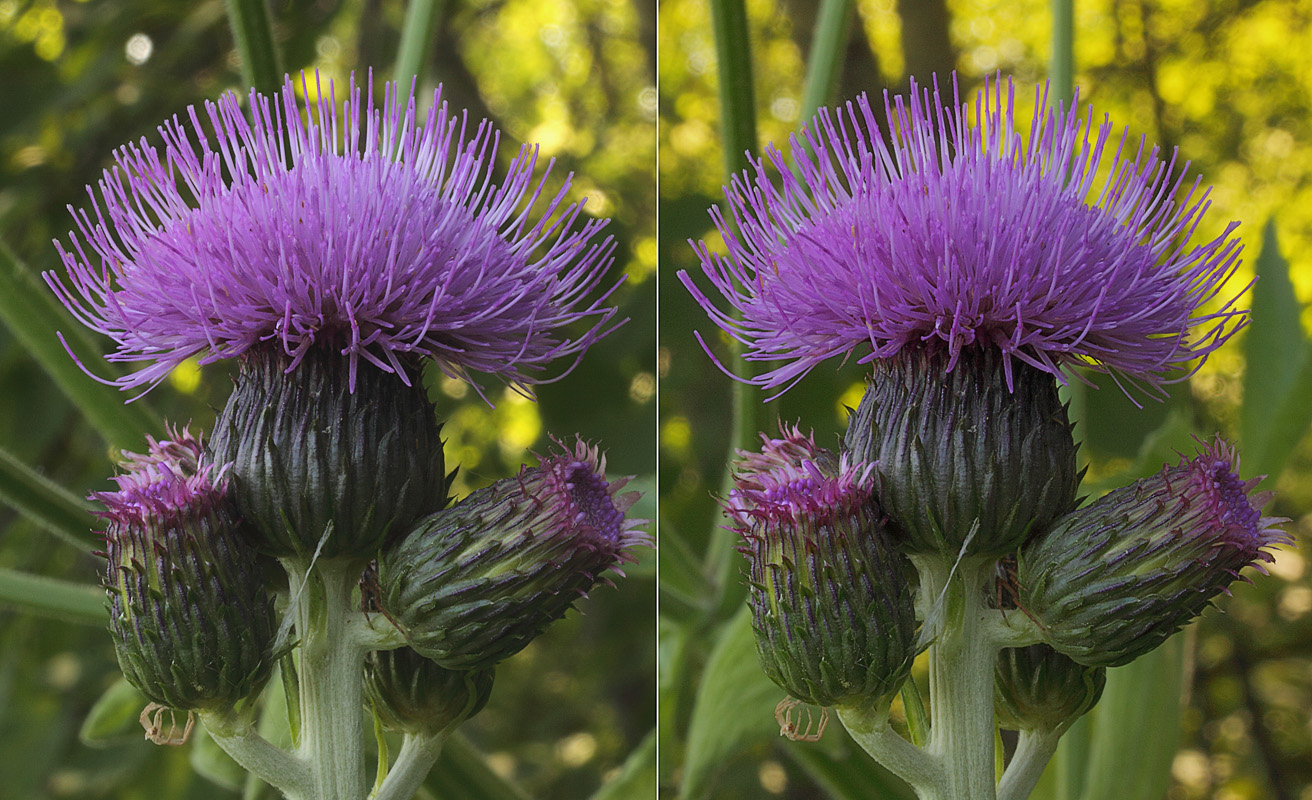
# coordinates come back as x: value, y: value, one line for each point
x: 328, y: 417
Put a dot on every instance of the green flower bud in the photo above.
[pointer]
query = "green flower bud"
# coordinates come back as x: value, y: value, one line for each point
x: 476, y: 582
x: 192, y: 623
x: 974, y: 446
x: 316, y: 442
x: 1111, y: 581
x: 1036, y: 687
x: 413, y: 694
x: 831, y: 600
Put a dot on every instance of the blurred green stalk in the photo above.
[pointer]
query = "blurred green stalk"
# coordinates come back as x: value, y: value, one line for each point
x: 73, y: 602
x: 252, y: 32
x: 45, y: 328
x: 733, y: 54
x: 417, y: 32
x: 50, y: 505
x: 1061, y: 72
x: 824, y: 64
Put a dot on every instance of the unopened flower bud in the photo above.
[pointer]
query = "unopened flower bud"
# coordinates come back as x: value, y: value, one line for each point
x: 968, y: 446
x: 192, y: 623
x: 831, y: 599
x: 1111, y: 581
x: 1037, y: 688
x: 325, y: 451
x: 476, y: 582
x: 413, y: 694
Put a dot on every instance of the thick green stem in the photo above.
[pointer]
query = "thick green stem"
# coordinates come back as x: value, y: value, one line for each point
x: 418, y: 754
x: 1033, y: 752
x: 331, y: 672
x: 961, y: 679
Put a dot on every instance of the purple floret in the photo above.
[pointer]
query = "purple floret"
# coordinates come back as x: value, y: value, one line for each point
x: 382, y: 234
x: 171, y: 481
x: 1066, y: 246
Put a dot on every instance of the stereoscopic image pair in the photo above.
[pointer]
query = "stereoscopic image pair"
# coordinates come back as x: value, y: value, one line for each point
x: 706, y: 399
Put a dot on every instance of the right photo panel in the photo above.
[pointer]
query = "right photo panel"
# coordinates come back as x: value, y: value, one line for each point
x: 984, y: 384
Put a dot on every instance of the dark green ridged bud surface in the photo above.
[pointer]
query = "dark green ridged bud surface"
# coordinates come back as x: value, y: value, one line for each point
x: 1037, y: 688
x: 476, y: 582
x: 831, y: 600
x: 958, y: 449
x: 191, y: 621
x: 1111, y: 581
x: 308, y: 451
x: 413, y: 694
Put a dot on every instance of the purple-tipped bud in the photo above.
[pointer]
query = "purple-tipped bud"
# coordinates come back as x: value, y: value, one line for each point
x: 325, y: 463
x: 476, y: 582
x: 412, y: 694
x: 831, y: 600
x: 191, y: 621
x: 1037, y: 688
x: 1111, y: 581
x: 972, y: 453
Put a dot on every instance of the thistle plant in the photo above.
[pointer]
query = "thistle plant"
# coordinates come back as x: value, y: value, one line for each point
x: 974, y: 261
x: 335, y: 252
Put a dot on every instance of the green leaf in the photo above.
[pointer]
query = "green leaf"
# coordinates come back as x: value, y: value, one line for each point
x: 1277, y: 405
x: 462, y: 773
x: 734, y: 706
x: 636, y: 779
x: 115, y: 716
x: 51, y: 597
x: 1136, y: 728
x: 37, y: 320
x: 845, y: 771
x: 47, y: 503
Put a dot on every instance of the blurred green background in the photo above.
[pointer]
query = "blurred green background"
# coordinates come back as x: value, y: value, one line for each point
x: 82, y: 78
x: 1230, y: 84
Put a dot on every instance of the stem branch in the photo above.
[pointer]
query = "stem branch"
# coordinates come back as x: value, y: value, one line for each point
x: 418, y: 754
x: 1033, y: 752
x: 871, y: 730
x: 280, y: 769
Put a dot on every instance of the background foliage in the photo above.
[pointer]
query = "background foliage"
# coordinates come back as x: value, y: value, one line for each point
x: 1225, y: 82
x: 81, y: 78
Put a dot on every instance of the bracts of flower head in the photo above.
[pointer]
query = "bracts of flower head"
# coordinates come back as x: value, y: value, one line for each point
x: 323, y: 469
x: 1111, y: 581
x: 476, y: 582
x: 192, y: 623
x: 831, y: 600
x: 334, y: 252
x: 969, y: 461
x: 412, y: 694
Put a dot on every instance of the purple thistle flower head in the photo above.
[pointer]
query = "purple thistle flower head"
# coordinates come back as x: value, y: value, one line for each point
x: 793, y: 481
x: 1229, y: 512
x: 375, y: 231
x: 167, y: 484
x: 1066, y: 247
x: 477, y: 581
x: 1112, y: 580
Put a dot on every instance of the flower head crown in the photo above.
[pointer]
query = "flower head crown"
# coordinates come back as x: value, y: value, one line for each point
x: 1066, y: 247
x: 377, y: 232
